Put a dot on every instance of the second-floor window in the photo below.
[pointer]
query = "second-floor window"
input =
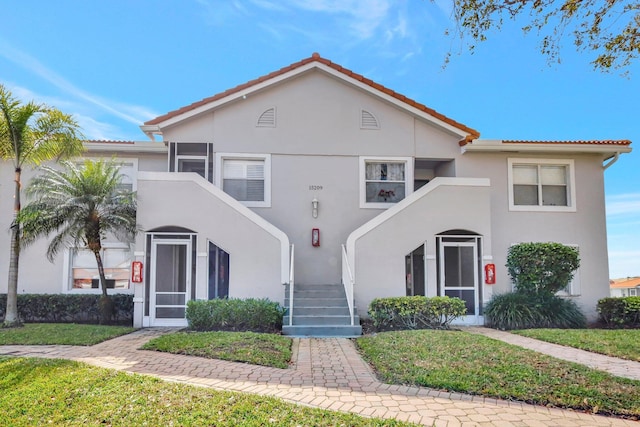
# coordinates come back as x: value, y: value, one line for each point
x: 384, y: 181
x: 246, y: 178
x: 542, y: 184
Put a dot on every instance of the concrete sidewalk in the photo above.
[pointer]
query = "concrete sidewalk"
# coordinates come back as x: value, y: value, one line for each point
x: 326, y: 373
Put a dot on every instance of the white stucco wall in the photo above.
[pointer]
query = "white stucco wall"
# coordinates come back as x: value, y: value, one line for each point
x: 317, y: 142
x: 585, y: 228
x: 258, y: 251
x: 378, y: 254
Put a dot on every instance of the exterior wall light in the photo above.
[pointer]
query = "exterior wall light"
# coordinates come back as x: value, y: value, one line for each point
x: 314, y: 207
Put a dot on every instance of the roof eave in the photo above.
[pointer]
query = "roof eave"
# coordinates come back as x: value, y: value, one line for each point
x: 136, y: 147
x: 547, y: 148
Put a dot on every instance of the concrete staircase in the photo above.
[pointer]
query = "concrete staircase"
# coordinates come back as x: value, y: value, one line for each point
x: 320, y: 311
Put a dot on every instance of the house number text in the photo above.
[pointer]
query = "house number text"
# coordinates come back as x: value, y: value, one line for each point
x: 315, y: 187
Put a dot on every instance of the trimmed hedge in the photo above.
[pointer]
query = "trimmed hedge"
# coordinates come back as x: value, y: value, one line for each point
x: 255, y: 315
x: 620, y: 312
x: 69, y: 308
x: 415, y: 312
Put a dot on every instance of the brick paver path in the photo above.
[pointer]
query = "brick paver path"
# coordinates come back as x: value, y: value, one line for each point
x: 326, y: 373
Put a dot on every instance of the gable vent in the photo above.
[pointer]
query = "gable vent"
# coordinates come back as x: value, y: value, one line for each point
x: 368, y: 120
x: 267, y: 119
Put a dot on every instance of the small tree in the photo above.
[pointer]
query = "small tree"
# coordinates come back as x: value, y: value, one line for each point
x: 539, y: 271
x: 541, y: 268
x: 30, y: 134
x: 82, y: 205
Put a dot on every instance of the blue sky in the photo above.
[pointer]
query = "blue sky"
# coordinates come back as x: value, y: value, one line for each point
x: 114, y: 64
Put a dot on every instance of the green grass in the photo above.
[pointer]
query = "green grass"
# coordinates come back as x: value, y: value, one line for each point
x: 468, y: 363
x: 35, y: 392
x: 60, y: 334
x: 622, y: 343
x: 248, y: 347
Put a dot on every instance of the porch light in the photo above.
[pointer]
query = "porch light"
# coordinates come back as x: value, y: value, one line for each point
x: 314, y: 207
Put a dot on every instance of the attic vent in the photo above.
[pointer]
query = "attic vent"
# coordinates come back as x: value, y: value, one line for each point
x: 368, y: 121
x: 267, y: 119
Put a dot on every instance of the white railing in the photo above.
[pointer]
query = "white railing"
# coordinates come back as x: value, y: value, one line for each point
x: 291, y: 286
x: 347, y: 281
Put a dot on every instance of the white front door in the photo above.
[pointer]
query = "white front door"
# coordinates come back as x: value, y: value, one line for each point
x: 459, y: 276
x: 170, y: 282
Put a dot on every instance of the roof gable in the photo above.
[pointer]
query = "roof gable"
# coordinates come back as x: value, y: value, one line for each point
x: 315, y: 61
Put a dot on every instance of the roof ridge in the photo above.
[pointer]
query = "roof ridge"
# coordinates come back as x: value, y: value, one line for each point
x: 315, y: 57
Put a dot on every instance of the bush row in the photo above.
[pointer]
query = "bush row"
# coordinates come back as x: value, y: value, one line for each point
x: 620, y: 312
x: 257, y: 315
x: 519, y: 310
x: 69, y: 308
x: 416, y: 312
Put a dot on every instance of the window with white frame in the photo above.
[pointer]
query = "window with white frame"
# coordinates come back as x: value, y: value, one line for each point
x: 83, y: 267
x: 541, y: 184
x: 246, y: 178
x: 384, y: 181
x: 633, y: 292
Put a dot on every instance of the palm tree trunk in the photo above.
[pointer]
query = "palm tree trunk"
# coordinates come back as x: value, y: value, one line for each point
x: 105, y: 304
x: 11, y: 314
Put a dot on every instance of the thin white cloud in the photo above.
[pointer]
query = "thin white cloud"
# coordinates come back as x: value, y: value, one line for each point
x: 623, y: 204
x: 130, y: 113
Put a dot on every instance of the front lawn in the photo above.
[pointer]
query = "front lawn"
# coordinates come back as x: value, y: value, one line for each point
x: 40, y: 392
x: 622, y: 343
x: 60, y: 334
x: 469, y: 363
x: 248, y: 347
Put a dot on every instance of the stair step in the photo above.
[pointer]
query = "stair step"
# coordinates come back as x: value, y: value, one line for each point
x: 321, y: 311
x: 343, y: 331
x: 318, y: 302
x: 304, y: 287
x: 304, y: 320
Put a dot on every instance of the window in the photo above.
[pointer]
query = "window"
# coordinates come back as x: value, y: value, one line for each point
x: 192, y: 157
x: 384, y: 181
x: 542, y: 185
x: 84, y: 270
x: 246, y: 178
x: 218, y: 272
x: 633, y: 292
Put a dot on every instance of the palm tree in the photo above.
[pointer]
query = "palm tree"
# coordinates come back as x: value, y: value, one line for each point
x: 82, y: 205
x: 30, y: 134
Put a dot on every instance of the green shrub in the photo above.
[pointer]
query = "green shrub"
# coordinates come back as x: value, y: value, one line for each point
x: 256, y: 315
x: 620, y: 312
x: 416, y: 312
x: 518, y: 310
x: 537, y: 268
x: 69, y: 308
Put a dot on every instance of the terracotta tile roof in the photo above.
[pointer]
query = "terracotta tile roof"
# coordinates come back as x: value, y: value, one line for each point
x: 107, y: 141
x: 472, y: 133
x: 624, y: 142
x: 629, y: 282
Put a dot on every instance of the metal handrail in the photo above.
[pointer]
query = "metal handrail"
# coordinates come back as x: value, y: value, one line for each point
x: 347, y: 281
x: 291, y: 286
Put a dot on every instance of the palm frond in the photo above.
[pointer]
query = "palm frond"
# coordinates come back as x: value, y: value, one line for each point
x: 82, y: 204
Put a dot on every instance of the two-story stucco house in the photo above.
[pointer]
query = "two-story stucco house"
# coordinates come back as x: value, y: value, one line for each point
x: 318, y: 188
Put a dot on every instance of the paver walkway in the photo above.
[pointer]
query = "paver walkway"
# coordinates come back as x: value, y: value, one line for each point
x: 327, y: 373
